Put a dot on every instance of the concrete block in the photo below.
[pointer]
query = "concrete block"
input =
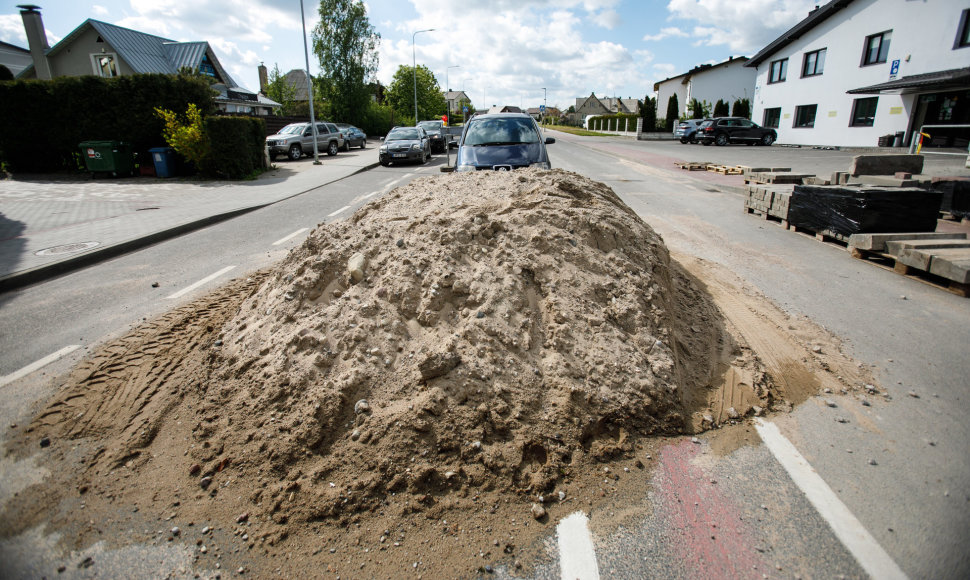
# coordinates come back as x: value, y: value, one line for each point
x: 886, y: 164
x: 951, y: 264
x: 899, y: 248
x: 882, y: 181
x: 877, y: 242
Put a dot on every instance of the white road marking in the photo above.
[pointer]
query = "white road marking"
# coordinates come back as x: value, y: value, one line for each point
x: 577, y: 557
x: 205, y: 280
x: 369, y: 195
x: 290, y: 237
x: 850, y: 531
x: 4, y: 381
x: 344, y: 208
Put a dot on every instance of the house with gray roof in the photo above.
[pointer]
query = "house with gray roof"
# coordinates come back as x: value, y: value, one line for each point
x: 105, y: 50
x: 593, y: 105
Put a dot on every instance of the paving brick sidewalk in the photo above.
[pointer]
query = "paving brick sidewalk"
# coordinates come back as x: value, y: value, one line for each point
x: 51, y: 225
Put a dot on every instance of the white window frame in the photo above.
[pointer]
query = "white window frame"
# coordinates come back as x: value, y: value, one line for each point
x: 97, y: 67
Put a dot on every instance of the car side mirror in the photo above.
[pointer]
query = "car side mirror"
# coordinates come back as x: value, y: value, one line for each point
x: 550, y: 140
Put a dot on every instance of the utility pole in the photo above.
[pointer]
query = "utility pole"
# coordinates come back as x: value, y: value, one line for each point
x: 414, y: 70
x: 543, y: 116
x: 309, y: 90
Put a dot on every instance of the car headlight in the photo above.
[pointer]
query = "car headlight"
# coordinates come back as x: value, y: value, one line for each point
x: 541, y: 165
x: 416, y: 147
x: 383, y: 149
x: 465, y: 168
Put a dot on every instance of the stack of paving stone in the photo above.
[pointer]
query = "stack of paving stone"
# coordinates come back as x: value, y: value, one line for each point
x: 769, y: 200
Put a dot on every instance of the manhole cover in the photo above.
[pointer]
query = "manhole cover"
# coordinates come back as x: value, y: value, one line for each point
x: 67, y: 249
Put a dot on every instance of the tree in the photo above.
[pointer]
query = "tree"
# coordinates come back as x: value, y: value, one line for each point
x: 281, y: 91
x: 346, y: 45
x: 721, y: 109
x: 400, y: 93
x: 649, y: 113
x: 673, y: 112
x: 699, y: 109
x: 741, y: 108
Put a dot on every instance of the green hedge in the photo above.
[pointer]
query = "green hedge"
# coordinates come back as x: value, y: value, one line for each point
x: 235, y: 146
x: 42, y: 122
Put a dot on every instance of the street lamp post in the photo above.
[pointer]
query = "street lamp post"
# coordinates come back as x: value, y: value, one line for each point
x: 309, y: 90
x: 414, y: 70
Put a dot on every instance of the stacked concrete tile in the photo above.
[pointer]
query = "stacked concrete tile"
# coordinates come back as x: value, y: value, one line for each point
x: 768, y: 200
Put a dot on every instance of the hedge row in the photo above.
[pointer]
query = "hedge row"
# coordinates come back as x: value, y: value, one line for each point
x: 43, y: 122
x: 236, y: 146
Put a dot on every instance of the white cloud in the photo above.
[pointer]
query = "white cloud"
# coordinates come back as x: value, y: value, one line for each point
x: 743, y: 27
x: 100, y: 11
x: 527, y: 45
x: 12, y: 30
x: 668, y: 32
x: 608, y: 19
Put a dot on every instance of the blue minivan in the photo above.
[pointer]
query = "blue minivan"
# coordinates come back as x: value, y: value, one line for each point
x: 502, y: 141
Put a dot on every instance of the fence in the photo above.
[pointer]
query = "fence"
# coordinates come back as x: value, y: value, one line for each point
x: 617, y: 126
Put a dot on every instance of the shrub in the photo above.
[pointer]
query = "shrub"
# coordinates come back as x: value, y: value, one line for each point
x: 189, y: 138
x: 741, y: 108
x: 235, y: 146
x: 721, y: 109
x: 673, y: 112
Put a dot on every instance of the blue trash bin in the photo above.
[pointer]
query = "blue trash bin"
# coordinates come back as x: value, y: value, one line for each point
x: 164, y: 160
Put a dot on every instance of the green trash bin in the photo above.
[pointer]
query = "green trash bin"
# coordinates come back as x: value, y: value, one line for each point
x: 112, y: 157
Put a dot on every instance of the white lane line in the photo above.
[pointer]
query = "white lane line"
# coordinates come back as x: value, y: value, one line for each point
x: 344, y: 208
x: 4, y: 381
x: 205, y: 280
x: 369, y: 195
x: 850, y: 531
x: 290, y: 237
x: 577, y: 557
x: 391, y: 185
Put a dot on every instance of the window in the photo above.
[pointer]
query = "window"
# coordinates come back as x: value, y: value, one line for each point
x: 805, y: 116
x: 814, y: 63
x: 963, y: 31
x: 864, y: 112
x: 772, y: 117
x: 877, y: 48
x: 105, y: 65
x: 778, y: 71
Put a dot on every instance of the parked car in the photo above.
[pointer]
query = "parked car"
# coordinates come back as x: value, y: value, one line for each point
x: 296, y: 139
x: 353, y: 137
x: 502, y: 141
x: 436, y: 133
x: 687, y: 130
x: 724, y: 130
x: 405, y: 144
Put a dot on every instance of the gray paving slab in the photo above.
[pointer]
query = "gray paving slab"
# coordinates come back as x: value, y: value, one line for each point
x: 49, y: 226
x: 877, y: 242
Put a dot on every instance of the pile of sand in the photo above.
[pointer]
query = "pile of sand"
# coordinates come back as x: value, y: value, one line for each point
x: 470, y: 334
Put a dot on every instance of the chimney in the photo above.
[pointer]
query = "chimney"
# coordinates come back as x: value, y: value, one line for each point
x: 263, y: 78
x: 36, y: 39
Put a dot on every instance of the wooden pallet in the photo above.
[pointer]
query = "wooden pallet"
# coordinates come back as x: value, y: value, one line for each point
x: 724, y: 169
x: 693, y: 165
x: 890, y: 262
x: 827, y: 236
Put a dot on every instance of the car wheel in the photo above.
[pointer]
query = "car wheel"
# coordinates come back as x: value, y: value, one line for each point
x: 684, y: 140
x: 295, y: 152
x: 384, y: 163
x: 721, y: 140
x: 332, y: 148
x: 363, y: 143
x: 346, y: 146
x: 767, y: 139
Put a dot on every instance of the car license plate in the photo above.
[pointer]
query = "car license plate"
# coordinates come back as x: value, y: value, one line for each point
x: 399, y: 155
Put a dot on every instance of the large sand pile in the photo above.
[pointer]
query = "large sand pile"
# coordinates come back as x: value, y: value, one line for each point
x: 471, y: 334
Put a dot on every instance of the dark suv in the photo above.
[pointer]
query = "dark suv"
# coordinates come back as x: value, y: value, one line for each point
x: 724, y: 130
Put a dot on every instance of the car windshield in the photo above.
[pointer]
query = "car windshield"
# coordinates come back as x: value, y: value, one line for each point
x: 293, y: 129
x: 706, y: 124
x: 402, y: 134
x: 501, y: 131
x: 430, y: 124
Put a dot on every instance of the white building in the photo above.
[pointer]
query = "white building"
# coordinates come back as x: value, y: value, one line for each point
x: 728, y: 81
x: 856, y: 70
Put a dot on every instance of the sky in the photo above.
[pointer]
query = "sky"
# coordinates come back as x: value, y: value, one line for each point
x: 501, y: 52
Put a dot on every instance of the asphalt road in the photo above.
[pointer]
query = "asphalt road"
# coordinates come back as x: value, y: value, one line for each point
x: 706, y: 514
x: 916, y: 501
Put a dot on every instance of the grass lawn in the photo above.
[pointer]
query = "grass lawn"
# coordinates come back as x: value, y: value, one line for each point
x: 577, y: 131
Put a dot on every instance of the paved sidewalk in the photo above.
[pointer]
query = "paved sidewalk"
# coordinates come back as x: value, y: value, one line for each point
x: 49, y: 226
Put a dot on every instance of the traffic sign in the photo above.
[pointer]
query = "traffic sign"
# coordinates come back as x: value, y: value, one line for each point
x: 464, y: 108
x: 542, y: 109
